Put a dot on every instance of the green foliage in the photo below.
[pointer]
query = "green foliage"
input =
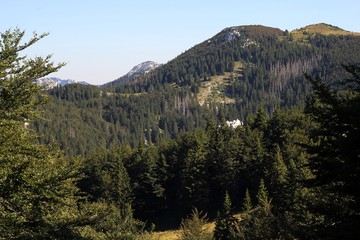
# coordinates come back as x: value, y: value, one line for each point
x: 262, y: 196
x: 106, y: 178
x: 195, y: 167
x: 247, y: 206
x: 18, y: 95
x: 225, y: 223
x: 308, y: 161
x: 279, y: 167
x: 192, y: 228
x: 336, y: 162
x: 258, y: 222
x: 84, y: 119
x: 38, y: 196
x: 193, y: 170
x: 146, y: 181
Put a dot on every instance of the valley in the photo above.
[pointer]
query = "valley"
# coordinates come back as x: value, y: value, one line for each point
x: 250, y: 134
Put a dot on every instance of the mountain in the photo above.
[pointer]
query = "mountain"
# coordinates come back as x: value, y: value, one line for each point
x: 255, y: 64
x: 51, y: 82
x: 139, y: 70
x: 226, y: 77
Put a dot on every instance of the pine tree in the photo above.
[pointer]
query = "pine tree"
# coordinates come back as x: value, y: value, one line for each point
x: 260, y: 120
x: 261, y: 222
x: 278, y: 176
x: 280, y: 169
x: 247, y: 205
x: 262, y: 196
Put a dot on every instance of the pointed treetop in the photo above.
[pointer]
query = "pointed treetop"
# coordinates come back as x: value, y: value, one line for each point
x: 262, y: 195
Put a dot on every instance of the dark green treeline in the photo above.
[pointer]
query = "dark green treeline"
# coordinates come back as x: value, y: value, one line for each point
x: 281, y: 172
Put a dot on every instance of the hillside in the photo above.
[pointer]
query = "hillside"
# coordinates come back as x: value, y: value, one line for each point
x: 156, y: 157
x: 225, y: 77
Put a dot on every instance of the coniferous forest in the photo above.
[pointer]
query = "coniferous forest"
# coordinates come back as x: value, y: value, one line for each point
x: 122, y: 160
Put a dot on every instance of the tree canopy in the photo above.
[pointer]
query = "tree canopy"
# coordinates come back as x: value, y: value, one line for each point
x: 39, y: 197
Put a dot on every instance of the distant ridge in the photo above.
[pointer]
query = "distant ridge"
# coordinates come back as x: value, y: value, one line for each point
x: 51, y: 82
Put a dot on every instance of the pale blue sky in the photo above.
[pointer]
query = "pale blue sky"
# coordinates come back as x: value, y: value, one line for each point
x: 102, y: 40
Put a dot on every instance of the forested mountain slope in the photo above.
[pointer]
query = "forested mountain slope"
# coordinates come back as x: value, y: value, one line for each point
x: 293, y: 173
x: 225, y: 77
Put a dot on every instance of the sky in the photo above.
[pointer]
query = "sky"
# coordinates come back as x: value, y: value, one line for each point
x: 101, y: 40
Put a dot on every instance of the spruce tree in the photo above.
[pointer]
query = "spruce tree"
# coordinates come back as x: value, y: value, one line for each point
x: 262, y: 195
x: 247, y: 205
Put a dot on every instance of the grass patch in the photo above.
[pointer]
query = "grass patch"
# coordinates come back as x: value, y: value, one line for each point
x: 165, y: 235
x: 175, y: 234
x: 213, y: 90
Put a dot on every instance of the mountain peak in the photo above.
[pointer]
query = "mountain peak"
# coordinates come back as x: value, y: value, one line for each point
x: 255, y: 30
x: 143, y: 68
x: 138, y: 70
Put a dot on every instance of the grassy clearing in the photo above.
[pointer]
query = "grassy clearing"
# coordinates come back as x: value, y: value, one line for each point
x: 213, y: 90
x: 208, y: 228
x: 175, y: 234
x: 166, y: 235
